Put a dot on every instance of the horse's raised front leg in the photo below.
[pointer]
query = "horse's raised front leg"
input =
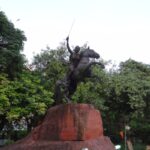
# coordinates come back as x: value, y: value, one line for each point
x: 95, y: 63
x: 89, y: 72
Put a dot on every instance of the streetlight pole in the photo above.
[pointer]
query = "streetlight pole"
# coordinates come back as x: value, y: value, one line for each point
x: 125, y: 138
x: 126, y: 128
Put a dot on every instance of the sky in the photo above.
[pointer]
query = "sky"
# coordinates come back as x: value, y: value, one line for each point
x: 116, y: 29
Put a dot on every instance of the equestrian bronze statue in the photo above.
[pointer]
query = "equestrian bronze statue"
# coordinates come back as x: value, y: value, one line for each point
x: 79, y: 69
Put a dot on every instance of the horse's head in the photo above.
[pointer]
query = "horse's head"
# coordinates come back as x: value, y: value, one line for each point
x: 89, y: 53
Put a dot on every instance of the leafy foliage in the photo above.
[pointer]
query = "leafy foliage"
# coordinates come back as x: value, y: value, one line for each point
x: 11, y: 45
x: 128, y: 95
x: 23, y: 99
x: 51, y: 65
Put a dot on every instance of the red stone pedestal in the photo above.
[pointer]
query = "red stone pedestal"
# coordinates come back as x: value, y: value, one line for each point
x: 67, y: 127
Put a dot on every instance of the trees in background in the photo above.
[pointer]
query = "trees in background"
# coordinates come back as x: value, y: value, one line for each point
x: 128, y: 99
x: 22, y: 99
x: 51, y: 65
x: 11, y: 45
x: 22, y: 96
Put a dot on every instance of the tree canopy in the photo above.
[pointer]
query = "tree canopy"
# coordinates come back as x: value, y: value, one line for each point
x: 11, y: 45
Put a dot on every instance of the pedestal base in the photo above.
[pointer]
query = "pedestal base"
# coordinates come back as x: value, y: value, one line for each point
x: 67, y: 127
x: 101, y: 143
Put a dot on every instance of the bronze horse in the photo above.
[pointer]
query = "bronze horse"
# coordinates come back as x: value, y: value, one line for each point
x: 66, y: 87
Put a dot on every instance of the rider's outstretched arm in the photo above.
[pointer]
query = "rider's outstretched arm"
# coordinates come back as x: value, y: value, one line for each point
x: 68, y: 47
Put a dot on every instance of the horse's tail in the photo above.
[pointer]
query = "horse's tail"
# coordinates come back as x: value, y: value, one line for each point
x: 57, y: 93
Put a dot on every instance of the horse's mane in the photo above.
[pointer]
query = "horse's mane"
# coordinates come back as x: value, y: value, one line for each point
x: 86, y: 52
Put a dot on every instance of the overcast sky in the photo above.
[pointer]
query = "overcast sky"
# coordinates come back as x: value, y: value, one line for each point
x: 116, y: 29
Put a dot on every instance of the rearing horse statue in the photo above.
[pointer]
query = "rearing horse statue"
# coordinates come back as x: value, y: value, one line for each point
x: 66, y: 87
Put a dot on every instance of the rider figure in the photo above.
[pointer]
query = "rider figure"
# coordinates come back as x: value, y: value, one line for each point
x: 74, y: 57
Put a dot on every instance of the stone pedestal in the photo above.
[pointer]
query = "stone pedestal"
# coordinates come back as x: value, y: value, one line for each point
x: 67, y: 127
